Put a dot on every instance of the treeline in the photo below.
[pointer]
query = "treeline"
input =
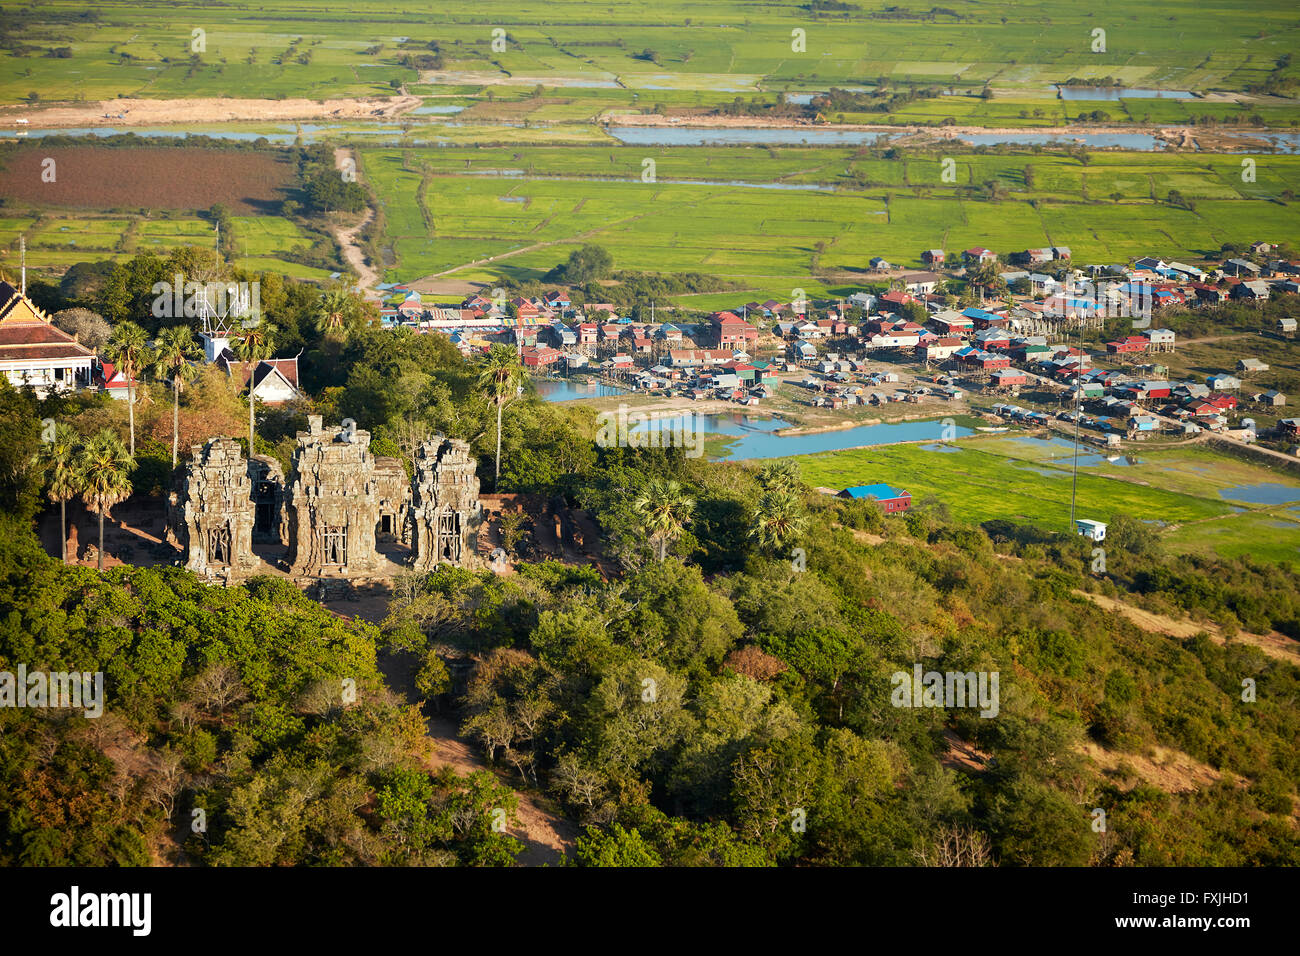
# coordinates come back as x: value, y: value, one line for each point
x: 243, y: 727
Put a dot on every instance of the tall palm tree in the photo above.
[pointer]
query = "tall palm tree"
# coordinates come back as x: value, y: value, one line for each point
x: 500, y: 376
x: 779, y: 518
x: 58, y: 459
x: 336, y: 312
x: 128, y: 349
x: 174, y: 354
x: 986, y: 277
x: 666, y: 509
x: 102, y: 479
x: 252, y: 347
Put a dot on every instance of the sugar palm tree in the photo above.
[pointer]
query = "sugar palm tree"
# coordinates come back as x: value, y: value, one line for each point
x: 779, y: 518
x: 336, y: 312
x: 58, y: 459
x: 780, y: 475
x: 500, y: 377
x: 102, y: 479
x: 666, y: 509
x: 252, y: 347
x: 128, y: 349
x: 174, y: 354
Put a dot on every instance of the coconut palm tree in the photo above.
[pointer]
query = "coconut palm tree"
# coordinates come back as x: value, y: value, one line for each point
x: 58, y: 459
x: 174, y: 354
x: 666, y: 509
x: 252, y: 347
x: 336, y: 312
x: 779, y: 518
x: 128, y: 350
x: 500, y: 376
x: 101, y: 475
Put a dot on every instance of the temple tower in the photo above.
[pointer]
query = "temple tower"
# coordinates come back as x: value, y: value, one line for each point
x: 445, y: 509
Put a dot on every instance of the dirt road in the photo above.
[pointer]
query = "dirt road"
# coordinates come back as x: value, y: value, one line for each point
x: 346, y: 236
x: 134, y: 112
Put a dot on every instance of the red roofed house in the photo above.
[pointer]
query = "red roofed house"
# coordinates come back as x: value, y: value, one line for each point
x: 1133, y: 343
x: 730, y: 329
x: 540, y: 357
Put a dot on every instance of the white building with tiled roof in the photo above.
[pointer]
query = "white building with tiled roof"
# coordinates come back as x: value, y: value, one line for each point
x: 35, y: 354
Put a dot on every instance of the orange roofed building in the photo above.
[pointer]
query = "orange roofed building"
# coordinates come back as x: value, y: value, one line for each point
x: 34, y: 353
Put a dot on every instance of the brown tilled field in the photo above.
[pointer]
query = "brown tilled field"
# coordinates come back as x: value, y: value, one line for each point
x: 100, y: 177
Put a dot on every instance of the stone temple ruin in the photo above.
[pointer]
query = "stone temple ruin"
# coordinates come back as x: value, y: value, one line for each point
x: 212, y: 517
x: 339, y: 503
x: 332, y: 503
x: 446, y: 513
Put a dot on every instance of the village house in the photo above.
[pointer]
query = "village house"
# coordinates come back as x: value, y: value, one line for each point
x: 730, y: 330
x: 1251, y: 290
x: 891, y: 500
x: 1160, y: 340
x: 921, y: 283
x: 1239, y: 268
x: 932, y: 257
x: 978, y: 256
x: 275, y: 381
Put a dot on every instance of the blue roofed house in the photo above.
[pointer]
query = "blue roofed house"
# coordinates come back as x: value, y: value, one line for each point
x: 890, y: 499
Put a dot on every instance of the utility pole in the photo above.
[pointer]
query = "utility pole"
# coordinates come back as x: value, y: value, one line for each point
x: 1078, y: 403
x: 22, y: 247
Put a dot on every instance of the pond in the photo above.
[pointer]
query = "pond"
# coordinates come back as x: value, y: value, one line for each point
x: 1120, y: 93
x: 1264, y: 493
x: 778, y: 136
x: 567, y: 390
x: 756, y: 437
x: 1137, y: 141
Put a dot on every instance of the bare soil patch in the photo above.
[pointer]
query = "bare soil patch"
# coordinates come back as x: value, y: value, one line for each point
x: 247, y: 182
x: 1274, y: 644
x: 220, y: 109
x: 1171, y: 770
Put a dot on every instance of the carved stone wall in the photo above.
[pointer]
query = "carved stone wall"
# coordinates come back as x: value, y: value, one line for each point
x: 332, y: 503
x: 212, y: 516
x: 445, y: 509
x: 270, y: 520
x: 393, y: 491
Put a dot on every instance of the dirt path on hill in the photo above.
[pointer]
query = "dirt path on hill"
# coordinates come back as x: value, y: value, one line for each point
x: 1275, y: 645
x: 141, y: 112
x: 547, y: 836
x: 346, y: 236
